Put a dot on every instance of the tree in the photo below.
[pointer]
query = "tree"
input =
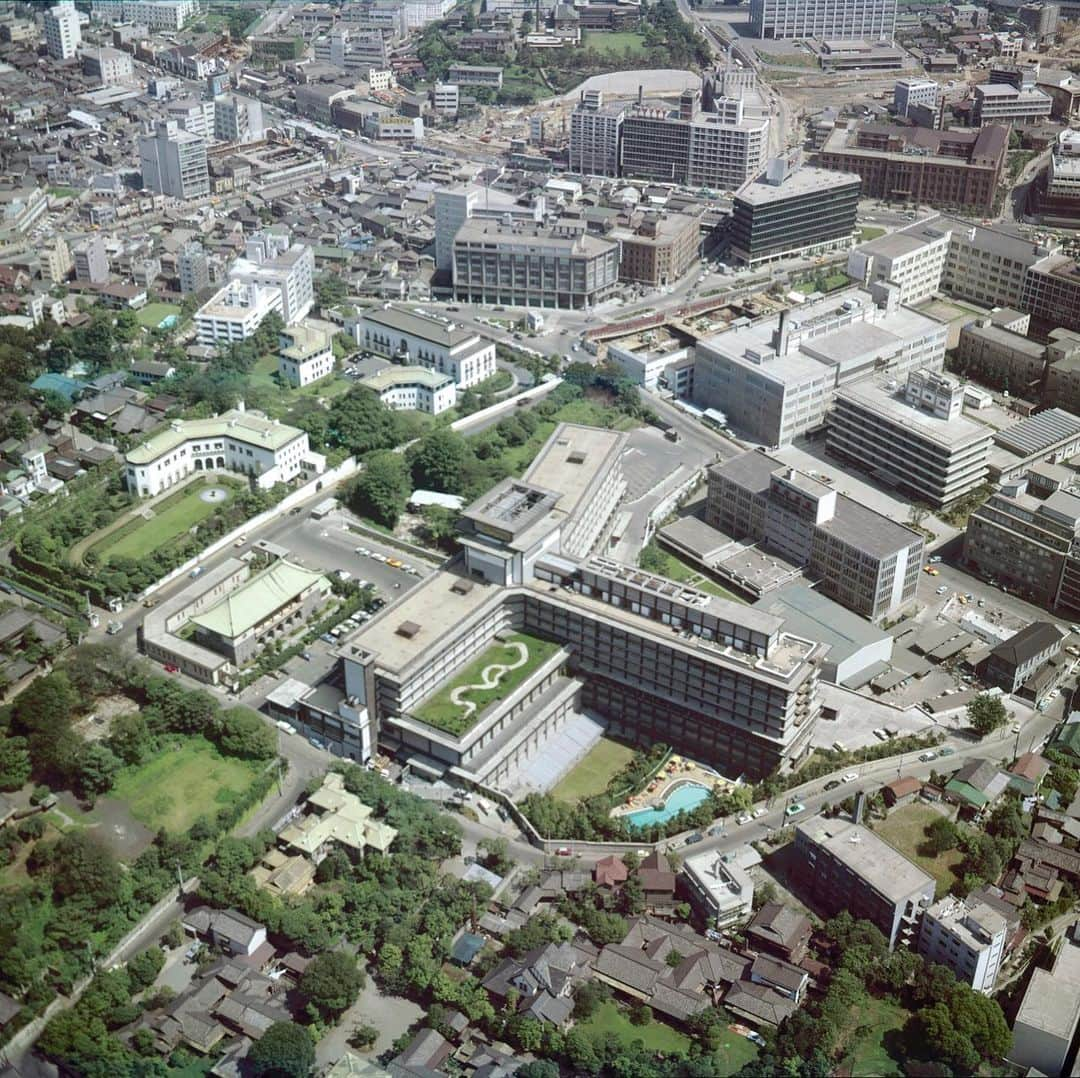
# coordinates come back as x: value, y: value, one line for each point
x: 46, y: 703
x: 495, y: 854
x: 97, y: 768
x: 129, y: 738
x: 83, y: 868
x: 284, y: 1049
x: 941, y: 835
x: 438, y: 462
x: 440, y: 526
x: 243, y: 733
x: 331, y: 982
x: 382, y: 489
x: 144, y: 967
x: 986, y: 713
x: 14, y: 763
x: 588, y: 995
x: 361, y: 423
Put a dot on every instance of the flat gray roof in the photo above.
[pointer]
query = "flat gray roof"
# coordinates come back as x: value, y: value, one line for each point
x: 803, y: 181
x: 870, y: 857
x: 1052, y: 1000
x: 999, y: 335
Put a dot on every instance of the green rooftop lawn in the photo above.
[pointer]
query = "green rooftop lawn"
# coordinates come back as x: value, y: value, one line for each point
x: 182, y: 782
x: 151, y: 315
x: 591, y: 774
x: 656, y: 559
x: 439, y: 711
x: 905, y: 830
x: 868, y: 232
x: 173, y: 516
x: 617, y: 41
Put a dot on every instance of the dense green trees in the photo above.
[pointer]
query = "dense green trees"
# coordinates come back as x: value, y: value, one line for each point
x: 438, y: 461
x: 285, y: 1050
x: 382, y: 489
x: 986, y: 713
x: 331, y: 983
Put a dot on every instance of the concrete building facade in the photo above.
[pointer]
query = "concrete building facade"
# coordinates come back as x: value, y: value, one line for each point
x: 305, y: 356
x: 62, y: 33
x: 966, y: 936
x: 173, y: 162
x: 862, y: 20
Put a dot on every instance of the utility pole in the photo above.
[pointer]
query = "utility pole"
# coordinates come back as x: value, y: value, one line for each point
x: 179, y: 883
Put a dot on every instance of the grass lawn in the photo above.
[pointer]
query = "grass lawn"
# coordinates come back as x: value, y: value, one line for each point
x: 666, y: 564
x: 172, y: 517
x: 656, y: 1036
x: 182, y: 782
x: 868, y: 1054
x: 868, y: 232
x: 262, y: 376
x: 151, y: 315
x: 439, y: 711
x: 616, y: 41
x: 62, y: 192
x: 905, y: 830
x: 590, y: 775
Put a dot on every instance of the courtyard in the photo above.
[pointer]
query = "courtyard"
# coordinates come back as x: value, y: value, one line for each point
x: 149, y: 527
x: 591, y: 775
x: 495, y: 673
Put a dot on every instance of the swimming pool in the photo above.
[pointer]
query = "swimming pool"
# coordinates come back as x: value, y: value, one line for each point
x: 688, y: 796
x: 168, y: 321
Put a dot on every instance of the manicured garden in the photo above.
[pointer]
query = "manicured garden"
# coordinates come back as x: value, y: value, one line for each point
x: 905, y: 830
x: 657, y: 560
x: 590, y: 775
x: 181, y: 782
x: 443, y: 713
x: 173, y: 516
x: 609, y: 1019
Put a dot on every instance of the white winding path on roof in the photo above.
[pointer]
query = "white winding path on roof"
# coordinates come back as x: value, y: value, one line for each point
x: 490, y: 676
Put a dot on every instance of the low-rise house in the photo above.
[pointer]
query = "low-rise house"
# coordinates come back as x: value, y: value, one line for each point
x: 658, y: 883
x: 785, y: 978
x: 781, y: 931
x: 228, y: 930
x: 901, y: 791
x: 425, y: 1054
x: 1027, y: 773
x: 542, y: 978
x: 610, y: 872
x: 977, y: 784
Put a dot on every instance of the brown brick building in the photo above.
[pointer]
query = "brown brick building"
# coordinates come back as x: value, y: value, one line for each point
x: 658, y: 250
x: 914, y: 164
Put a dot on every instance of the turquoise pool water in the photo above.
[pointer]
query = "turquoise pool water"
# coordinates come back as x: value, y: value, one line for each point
x: 168, y: 321
x: 688, y: 796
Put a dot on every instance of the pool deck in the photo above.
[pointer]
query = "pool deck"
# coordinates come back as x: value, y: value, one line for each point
x: 677, y: 772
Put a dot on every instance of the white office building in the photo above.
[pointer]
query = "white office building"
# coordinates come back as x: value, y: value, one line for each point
x: 416, y: 337
x: 192, y: 114
x: 1049, y: 1012
x: 154, y: 14
x: 109, y: 66
x: 415, y: 389
x: 912, y: 259
x: 238, y: 119
x: 62, y: 33
x: 446, y: 98
x: 456, y: 205
x: 968, y: 937
x: 173, y: 162
x: 235, y: 311
x: 235, y: 441
x: 721, y: 891
x: 594, y: 135
x: 306, y: 354
x: 908, y: 92
x: 271, y: 260
x: 831, y: 20
x: 1001, y: 103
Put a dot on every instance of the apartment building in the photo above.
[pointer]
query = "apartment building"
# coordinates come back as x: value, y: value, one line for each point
x: 306, y: 355
x: 56, y: 261
x: 792, y: 212
x: 235, y: 441
x: 912, y: 437
x: 844, y: 866
x: 415, y: 337
x: 238, y: 119
x: 446, y: 98
x: 719, y: 888
x: 595, y: 135
x: 659, y: 250
x: 775, y: 379
x: 860, y: 558
x: 272, y: 261
x: 235, y: 312
x: 62, y: 33
x: 1014, y: 664
x: 721, y: 680
x: 968, y: 937
x: 173, y: 162
x: 841, y: 20
x: 912, y: 259
x: 916, y: 164
x: 533, y: 267
x: 193, y: 114
x: 91, y: 261
x: 1000, y: 103
x: 910, y: 92
x: 1029, y: 545
x: 1046, y: 1023
x: 417, y: 389
x: 108, y: 66
x: 475, y: 75
x: 193, y: 269
x: 720, y: 149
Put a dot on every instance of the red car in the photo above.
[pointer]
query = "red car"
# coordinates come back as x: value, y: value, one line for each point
x: 171, y: 669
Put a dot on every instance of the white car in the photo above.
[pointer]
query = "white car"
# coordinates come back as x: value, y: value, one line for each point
x: 941, y: 590
x: 851, y: 776
x: 744, y: 818
x: 759, y: 812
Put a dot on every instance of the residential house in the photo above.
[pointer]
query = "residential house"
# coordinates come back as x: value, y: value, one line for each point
x: 610, y: 872
x: 977, y: 784
x: 901, y: 791
x: 657, y: 883
x: 425, y: 1054
x: 785, y: 978
x: 543, y: 979
x: 1028, y: 772
x: 781, y: 931
x: 227, y: 929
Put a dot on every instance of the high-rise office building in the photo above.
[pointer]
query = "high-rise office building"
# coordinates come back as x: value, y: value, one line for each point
x: 833, y: 20
x: 62, y: 34
x: 238, y: 119
x: 173, y: 162
x: 595, y: 130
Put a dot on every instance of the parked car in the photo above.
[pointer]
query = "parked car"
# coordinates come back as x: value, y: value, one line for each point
x: 851, y: 776
x: 759, y: 812
x: 697, y: 836
x: 926, y: 757
x: 945, y: 751
x: 744, y: 818
x: 794, y: 810
x: 832, y: 784
x: 941, y: 590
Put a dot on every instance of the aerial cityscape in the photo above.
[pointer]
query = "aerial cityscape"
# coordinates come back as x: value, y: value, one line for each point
x: 539, y: 538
